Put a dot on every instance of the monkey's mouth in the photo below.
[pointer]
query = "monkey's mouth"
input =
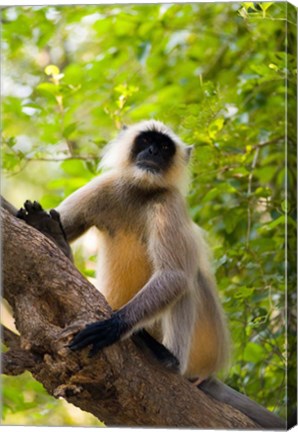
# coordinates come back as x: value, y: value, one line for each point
x: 148, y: 166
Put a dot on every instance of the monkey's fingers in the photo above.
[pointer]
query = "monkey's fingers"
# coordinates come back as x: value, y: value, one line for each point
x: 21, y: 214
x: 81, y: 341
x: 85, y: 337
x: 32, y: 206
x: 30, y: 209
x: 56, y: 217
x: 99, y: 334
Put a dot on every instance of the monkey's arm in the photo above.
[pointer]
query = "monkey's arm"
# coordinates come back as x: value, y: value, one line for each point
x: 85, y: 207
x: 73, y: 216
x: 162, y: 290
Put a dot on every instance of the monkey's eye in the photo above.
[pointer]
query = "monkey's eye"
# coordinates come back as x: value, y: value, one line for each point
x: 165, y: 147
x: 144, y: 142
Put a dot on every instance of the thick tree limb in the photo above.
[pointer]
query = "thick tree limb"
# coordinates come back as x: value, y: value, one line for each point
x: 121, y: 385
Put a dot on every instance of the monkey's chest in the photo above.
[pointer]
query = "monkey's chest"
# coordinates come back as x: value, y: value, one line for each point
x: 123, y: 267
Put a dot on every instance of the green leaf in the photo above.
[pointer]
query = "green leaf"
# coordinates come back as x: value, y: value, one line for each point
x: 231, y: 220
x: 73, y: 167
x: 243, y: 12
x: 249, y: 5
x: 285, y: 206
x: 279, y: 221
x: 48, y: 89
x: 215, y: 127
x: 69, y: 129
x: 263, y: 192
x: 273, y: 66
x: 265, y: 5
x: 253, y: 353
x: 243, y: 292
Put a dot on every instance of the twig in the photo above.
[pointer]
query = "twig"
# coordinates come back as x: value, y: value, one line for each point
x: 253, y: 165
x: 269, y: 142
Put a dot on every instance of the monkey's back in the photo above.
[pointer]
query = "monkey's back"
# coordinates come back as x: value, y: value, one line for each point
x: 210, y: 346
x: 207, y: 353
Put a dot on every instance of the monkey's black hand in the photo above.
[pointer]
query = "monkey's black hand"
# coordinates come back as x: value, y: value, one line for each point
x: 99, y: 334
x: 47, y: 223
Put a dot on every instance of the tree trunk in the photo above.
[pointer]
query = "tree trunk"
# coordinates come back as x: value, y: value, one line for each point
x: 122, y: 385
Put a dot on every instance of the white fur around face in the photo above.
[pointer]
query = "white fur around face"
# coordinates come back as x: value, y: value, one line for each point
x: 116, y: 155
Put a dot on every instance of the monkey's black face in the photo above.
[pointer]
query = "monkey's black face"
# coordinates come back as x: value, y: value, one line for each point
x: 153, y: 151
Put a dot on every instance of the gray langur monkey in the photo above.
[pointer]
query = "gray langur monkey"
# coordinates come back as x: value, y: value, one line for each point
x: 153, y: 265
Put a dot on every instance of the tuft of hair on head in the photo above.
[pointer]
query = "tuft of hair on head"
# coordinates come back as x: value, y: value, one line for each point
x: 116, y: 155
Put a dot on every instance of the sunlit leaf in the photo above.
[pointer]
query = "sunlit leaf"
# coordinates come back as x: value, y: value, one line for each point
x: 52, y: 70
x: 265, y: 5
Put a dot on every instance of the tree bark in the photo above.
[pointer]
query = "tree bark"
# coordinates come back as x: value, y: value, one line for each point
x: 122, y: 385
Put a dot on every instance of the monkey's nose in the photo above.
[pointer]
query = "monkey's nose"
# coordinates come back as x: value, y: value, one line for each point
x: 153, y: 150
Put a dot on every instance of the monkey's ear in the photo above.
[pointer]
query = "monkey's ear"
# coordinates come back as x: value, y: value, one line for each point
x: 188, y: 152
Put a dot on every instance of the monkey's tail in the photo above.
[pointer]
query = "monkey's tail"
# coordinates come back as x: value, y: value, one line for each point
x: 223, y: 393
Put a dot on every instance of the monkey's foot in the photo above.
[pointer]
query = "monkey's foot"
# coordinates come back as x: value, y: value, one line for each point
x: 145, y: 341
x: 99, y: 334
x: 196, y: 381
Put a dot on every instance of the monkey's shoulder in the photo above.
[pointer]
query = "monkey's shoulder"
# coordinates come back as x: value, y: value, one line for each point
x: 123, y: 194
x: 123, y: 204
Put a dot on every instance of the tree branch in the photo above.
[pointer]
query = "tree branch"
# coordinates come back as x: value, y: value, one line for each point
x: 121, y: 385
x: 16, y: 360
x: 10, y: 338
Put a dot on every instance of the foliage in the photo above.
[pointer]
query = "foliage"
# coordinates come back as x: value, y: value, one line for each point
x: 26, y: 402
x: 218, y: 74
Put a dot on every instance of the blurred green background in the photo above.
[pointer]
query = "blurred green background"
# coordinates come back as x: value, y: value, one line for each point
x: 220, y: 75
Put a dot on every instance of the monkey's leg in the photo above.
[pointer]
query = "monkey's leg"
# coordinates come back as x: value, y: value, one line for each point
x: 147, y: 342
x: 47, y: 223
